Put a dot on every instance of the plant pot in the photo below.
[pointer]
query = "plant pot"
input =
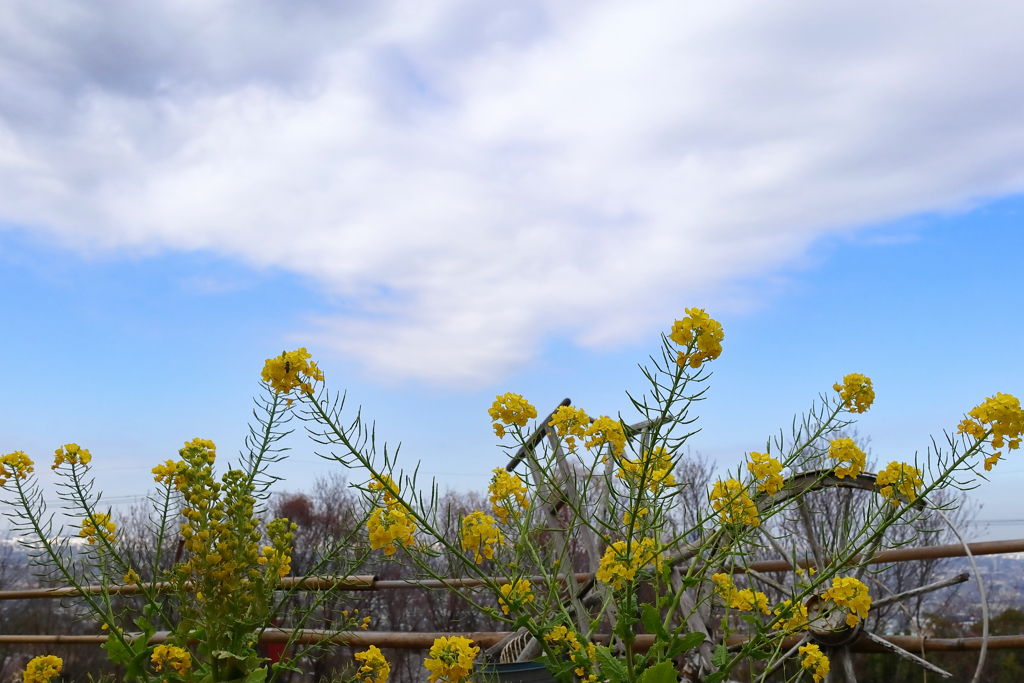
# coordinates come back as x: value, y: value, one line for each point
x: 514, y: 672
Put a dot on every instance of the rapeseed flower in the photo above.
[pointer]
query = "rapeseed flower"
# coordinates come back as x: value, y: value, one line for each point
x: 851, y: 594
x: 855, y: 392
x: 509, y: 409
x: 480, y: 535
x: 98, y: 525
x: 571, y: 424
x: 42, y: 669
x: 848, y: 456
x: 515, y: 593
x: 699, y: 326
x: 388, y: 527
x: 899, y: 478
x: 72, y: 454
x: 290, y: 370
x: 654, y: 468
x: 450, y: 660
x: 1002, y: 415
x: 733, y: 504
x: 171, y: 656
x: 618, y: 565
x: 375, y: 668
x: 768, y: 472
x: 794, y: 617
x: 507, y: 492
x: 605, y: 430
x: 814, y: 661
x: 15, y: 465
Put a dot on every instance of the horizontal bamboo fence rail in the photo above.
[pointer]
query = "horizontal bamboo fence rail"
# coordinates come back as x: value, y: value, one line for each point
x: 423, y: 641
x: 370, y: 582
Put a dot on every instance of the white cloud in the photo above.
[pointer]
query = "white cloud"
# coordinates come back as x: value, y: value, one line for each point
x: 472, y: 178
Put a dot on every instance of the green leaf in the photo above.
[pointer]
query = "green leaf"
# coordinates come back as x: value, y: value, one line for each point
x: 750, y: 619
x: 687, y: 642
x: 612, y: 669
x: 716, y: 677
x: 721, y: 656
x: 665, y: 672
x: 652, y: 622
x: 224, y: 654
x: 257, y: 676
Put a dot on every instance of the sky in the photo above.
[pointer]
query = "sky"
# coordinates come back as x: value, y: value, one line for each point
x: 446, y: 200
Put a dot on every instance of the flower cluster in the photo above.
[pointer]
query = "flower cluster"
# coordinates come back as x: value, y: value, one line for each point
x: 375, y: 668
x: 794, y: 617
x: 42, y: 669
x: 221, y: 532
x: 562, y: 638
x: 654, y: 469
x: 814, y: 661
x: 507, y: 493
x: 98, y: 525
x: 850, y: 593
x: 131, y: 578
x: 388, y: 527
x: 745, y: 600
x: 170, y: 474
x: 386, y: 484
x: 451, y: 659
x: 768, y: 472
x: 516, y: 594
x: 171, y: 657
x: 899, y: 479
x: 855, y: 392
x: 480, y: 535
x: 510, y: 409
x: 14, y: 465
x: 72, y: 454
x: 700, y: 327
x: 571, y: 423
x: 733, y: 504
x: 1003, y: 415
x: 292, y: 369
x: 848, y: 456
x: 619, y: 564
x: 605, y: 430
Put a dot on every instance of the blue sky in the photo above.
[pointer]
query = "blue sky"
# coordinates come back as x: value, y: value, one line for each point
x: 445, y: 200
x: 131, y: 356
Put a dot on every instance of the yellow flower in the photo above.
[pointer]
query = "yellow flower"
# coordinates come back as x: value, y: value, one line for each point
x: 855, y: 392
x: 707, y: 332
x: 480, y: 535
x: 450, y: 660
x: 767, y: 469
x: 571, y: 423
x: 794, y: 617
x: 171, y: 656
x: 849, y: 593
x: 509, y: 409
x: 516, y: 593
x: 560, y: 637
x: 745, y: 600
x: 605, y: 430
x: 42, y: 669
x: 507, y: 493
x: 654, y: 468
x: 1003, y: 415
x: 849, y: 457
x: 378, y: 484
x: 733, y: 504
x: 72, y: 454
x: 387, y: 527
x: 290, y: 370
x: 899, y: 478
x: 15, y: 464
x: 618, y: 565
x: 375, y: 668
x: 131, y: 578
x: 98, y: 526
x: 168, y: 473
x: 814, y: 661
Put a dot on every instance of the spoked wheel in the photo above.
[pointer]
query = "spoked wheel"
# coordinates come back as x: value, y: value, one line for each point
x: 817, y: 523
